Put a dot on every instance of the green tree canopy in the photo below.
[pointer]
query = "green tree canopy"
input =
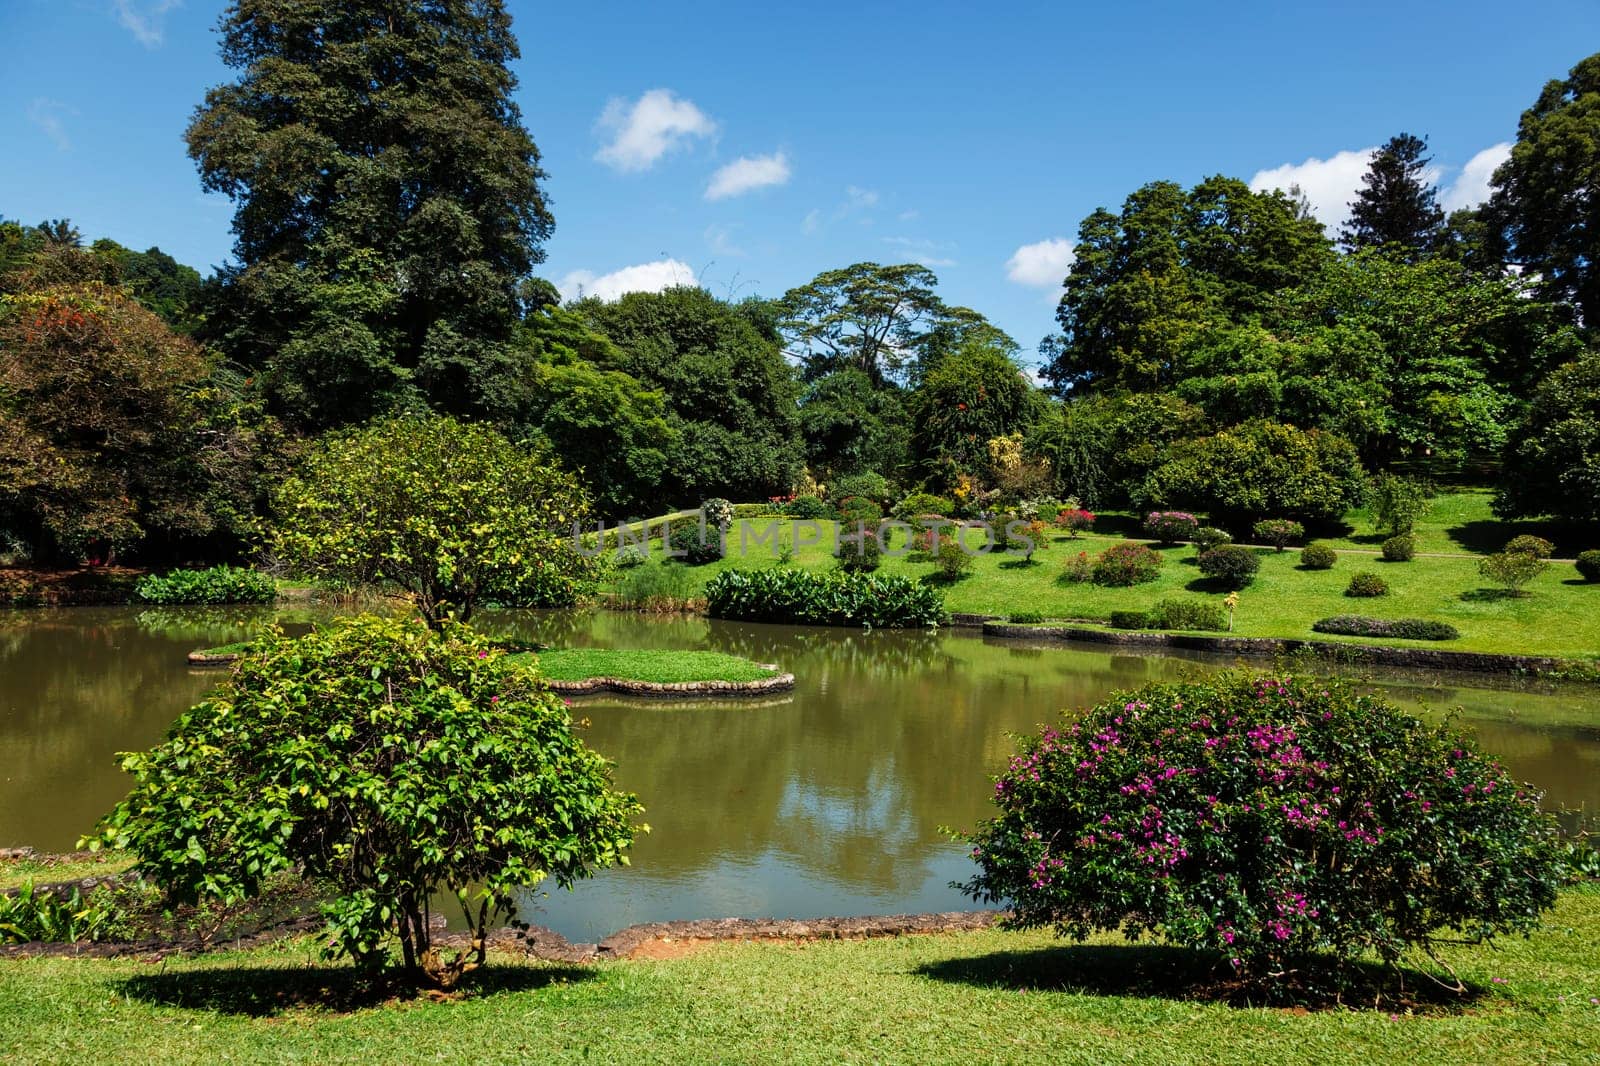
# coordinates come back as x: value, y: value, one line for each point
x: 1260, y: 470
x: 973, y: 395
x: 1552, y: 461
x: 730, y: 394
x: 1547, y: 195
x: 1397, y: 207
x: 387, y: 200
x: 851, y: 426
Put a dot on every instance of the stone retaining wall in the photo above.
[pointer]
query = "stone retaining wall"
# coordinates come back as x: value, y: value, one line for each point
x: 1272, y: 647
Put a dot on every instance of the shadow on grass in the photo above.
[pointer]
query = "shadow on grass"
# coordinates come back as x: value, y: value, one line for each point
x: 1492, y: 595
x: 1160, y: 972
x: 1485, y: 536
x: 1020, y: 564
x: 1212, y: 584
x: 263, y: 991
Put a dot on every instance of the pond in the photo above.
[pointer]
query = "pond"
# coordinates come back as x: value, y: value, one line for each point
x: 826, y: 801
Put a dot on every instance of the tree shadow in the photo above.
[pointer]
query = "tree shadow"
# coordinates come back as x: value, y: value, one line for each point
x: 944, y: 581
x: 1484, y: 536
x: 1164, y: 972
x: 264, y: 991
x: 1214, y: 585
x: 1020, y: 564
x: 1118, y: 525
x: 1492, y: 595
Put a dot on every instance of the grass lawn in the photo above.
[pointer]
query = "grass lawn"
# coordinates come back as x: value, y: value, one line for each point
x: 47, y: 869
x: 1558, y: 616
x: 660, y: 667
x: 957, y: 998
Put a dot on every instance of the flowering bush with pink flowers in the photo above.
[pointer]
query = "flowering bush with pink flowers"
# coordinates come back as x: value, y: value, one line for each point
x: 1269, y: 819
x: 1169, y: 527
x: 1074, y: 520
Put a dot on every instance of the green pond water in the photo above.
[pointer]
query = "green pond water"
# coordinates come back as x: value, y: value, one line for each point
x: 825, y: 801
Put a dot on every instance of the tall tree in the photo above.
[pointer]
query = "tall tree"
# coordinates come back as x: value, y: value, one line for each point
x: 866, y: 316
x: 1547, y: 195
x: 387, y: 199
x: 1397, y: 207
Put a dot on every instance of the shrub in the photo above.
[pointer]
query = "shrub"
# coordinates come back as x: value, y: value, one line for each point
x: 952, y: 559
x: 1278, y: 532
x: 1318, y: 557
x: 1258, y: 469
x: 1129, y: 620
x: 798, y: 597
x: 1589, y: 565
x: 1397, y: 502
x: 1169, y: 527
x: 870, y: 486
x: 450, y: 511
x: 1527, y: 544
x: 808, y: 508
x: 920, y: 503
x: 718, y: 513
x: 1207, y: 538
x: 1512, y: 570
x: 629, y: 557
x: 1401, y: 548
x: 1128, y: 563
x: 217, y: 585
x: 860, y: 552
x: 1025, y: 617
x: 858, y: 510
x: 656, y: 588
x: 389, y: 761
x: 1354, y: 625
x: 1075, y: 520
x: 1012, y: 533
x: 924, y: 527
x: 1079, y: 568
x: 1232, y: 566
x: 757, y: 510
x: 695, y: 544
x: 1268, y: 820
x: 1188, y: 614
x: 1366, y: 584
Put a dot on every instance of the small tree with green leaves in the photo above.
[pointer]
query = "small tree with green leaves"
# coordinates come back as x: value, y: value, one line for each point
x: 1397, y: 502
x: 450, y: 511
x: 392, y: 762
x: 1512, y: 570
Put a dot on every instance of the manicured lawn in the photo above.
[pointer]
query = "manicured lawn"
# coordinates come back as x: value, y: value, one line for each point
x: 47, y: 869
x: 661, y: 667
x: 960, y: 998
x: 1463, y: 521
x: 1558, y: 616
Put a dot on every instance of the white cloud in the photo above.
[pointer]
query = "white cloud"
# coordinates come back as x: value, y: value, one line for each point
x: 47, y: 114
x: 1471, y: 186
x: 641, y: 277
x: 143, y: 20
x: 857, y: 197
x: 918, y: 250
x: 812, y: 221
x: 746, y: 173
x: 1328, y: 184
x: 1044, y: 263
x: 649, y: 128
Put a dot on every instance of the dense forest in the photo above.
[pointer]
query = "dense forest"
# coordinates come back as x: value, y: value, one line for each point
x: 1217, y: 349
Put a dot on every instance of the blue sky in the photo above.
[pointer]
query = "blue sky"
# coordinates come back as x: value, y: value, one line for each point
x: 749, y: 146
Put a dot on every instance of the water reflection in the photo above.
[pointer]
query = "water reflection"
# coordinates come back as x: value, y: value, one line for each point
x: 827, y: 801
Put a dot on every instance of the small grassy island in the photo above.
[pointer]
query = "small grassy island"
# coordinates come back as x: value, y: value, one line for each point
x: 664, y: 673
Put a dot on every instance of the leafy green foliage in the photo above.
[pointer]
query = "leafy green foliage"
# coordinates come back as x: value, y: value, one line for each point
x: 1262, y: 468
x: 813, y: 508
x: 1125, y: 564
x: 28, y: 915
x: 952, y: 560
x: 1025, y: 617
x: 921, y: 503
x: 1528, y: 544
x: 975, y: 394
x: 1397, y: 502
x: 1232, y: 566
x: 697, y: 543
x: 1318, y: 557
x: 1552, y: 461
x: 1353, y: 625
x: 718, y: 513
x: 1366, y: 584
x: 1129, y: 620
x: 1170, y: 527
x: 860, y: 552
x: 219, y: 584
x: 1278, y: 532
x: 798, y: 597
x: 394, y: 762
x: 381, y: 250
x: 450, y: 511
x: 1512, y: 570
x: 1400, y: 549
x: 852, y: 426
x: 1588, y: 565
x: 1268, y: 820
x: 1188, y: 614
x: 1207, y: 538
x: 868, y: 485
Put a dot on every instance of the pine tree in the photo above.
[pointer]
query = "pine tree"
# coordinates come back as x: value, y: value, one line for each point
x: 387, y: 201
x: 1397, y: 207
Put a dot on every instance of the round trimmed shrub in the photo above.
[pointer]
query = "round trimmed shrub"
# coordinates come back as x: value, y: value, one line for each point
x: 1318, y: 557
x: 808, y: 508
x: 1278, y: 532
x: 1589, y: 565
x: 1233, y: 566
x: 1367, y: 584
x: 858, y: 510
x: 871, y: 486
x: 1527, y: 544
x: 1400, y: 549
x: 860, y: 553
x: 1170, y: 527
x: 952, y: 559
x: 695, y: 545
x: 1128, y: 563
x: 920, y: 503
x: 1268, y: 819
x: 1207, y: 538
